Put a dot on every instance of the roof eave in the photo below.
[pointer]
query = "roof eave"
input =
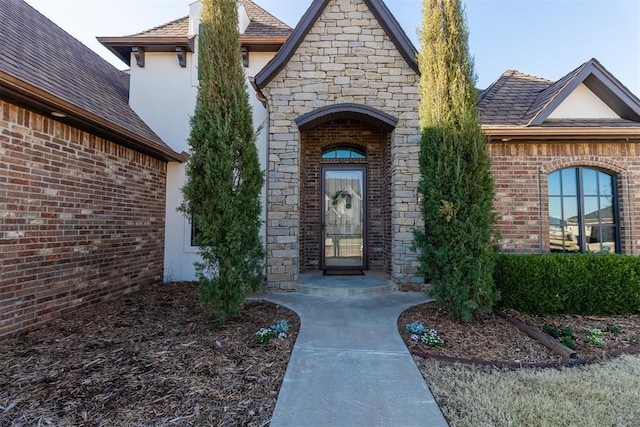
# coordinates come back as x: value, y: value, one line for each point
x: 43, y: 102
x: 395, y: 32
x: 279, y: 61
x: 263, y: 43
x: 121, y: 46
x: 507, y: 133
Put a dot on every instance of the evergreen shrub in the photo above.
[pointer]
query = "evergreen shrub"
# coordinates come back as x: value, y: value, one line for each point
x: 550, y: 284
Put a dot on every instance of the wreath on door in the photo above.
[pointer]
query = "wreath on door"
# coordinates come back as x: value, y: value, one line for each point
x: 344, y: 195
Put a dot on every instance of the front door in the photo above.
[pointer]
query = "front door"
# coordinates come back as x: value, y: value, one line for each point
x: 344, y: 216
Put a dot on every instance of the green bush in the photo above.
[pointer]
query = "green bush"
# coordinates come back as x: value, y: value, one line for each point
x: 569, y: 284
x: 455, y: 246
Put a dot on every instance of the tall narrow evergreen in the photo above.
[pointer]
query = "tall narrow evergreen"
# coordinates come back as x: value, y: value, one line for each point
x: 456, y: 245
x: 224, y: 180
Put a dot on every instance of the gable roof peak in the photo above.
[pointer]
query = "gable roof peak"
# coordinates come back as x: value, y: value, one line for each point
x: 379, y: 9
x: 599, y: 80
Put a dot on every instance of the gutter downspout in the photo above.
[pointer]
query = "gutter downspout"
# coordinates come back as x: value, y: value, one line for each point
x: 538, y: 183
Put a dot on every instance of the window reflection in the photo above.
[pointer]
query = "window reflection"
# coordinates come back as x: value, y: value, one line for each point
x: 582, y: 216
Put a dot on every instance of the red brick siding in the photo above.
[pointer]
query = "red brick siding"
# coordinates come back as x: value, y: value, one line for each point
x: 376, y: 143
x: 521, y: 169
x: 81, y: 219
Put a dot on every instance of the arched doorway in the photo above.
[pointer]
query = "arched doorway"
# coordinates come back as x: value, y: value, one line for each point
x: 345, y: 189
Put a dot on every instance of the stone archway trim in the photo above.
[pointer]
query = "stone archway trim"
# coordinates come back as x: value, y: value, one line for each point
x: 360, y: 112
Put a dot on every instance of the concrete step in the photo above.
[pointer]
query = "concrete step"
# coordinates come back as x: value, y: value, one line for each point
x: 370, y: 284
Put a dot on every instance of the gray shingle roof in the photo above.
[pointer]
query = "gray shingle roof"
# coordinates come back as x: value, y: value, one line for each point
x: 176, y: 28
x: 508, y: 99
x: 522, y: 100
x: 262, y: 24
x: 36, y: 53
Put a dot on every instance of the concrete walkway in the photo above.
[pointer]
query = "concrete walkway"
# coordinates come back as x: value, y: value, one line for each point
x: 350, y: 367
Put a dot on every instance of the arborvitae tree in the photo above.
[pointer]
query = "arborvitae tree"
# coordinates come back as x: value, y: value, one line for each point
x: 224, y: 180
x: 457, y: 245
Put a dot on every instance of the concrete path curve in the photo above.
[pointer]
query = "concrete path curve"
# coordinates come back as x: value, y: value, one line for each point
x: 349, y: 365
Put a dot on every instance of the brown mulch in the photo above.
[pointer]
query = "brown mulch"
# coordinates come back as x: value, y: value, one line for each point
x: 155, y: 357
x: 493, y: 338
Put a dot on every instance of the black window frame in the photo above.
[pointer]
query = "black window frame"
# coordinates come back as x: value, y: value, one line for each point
x: 580, y: 196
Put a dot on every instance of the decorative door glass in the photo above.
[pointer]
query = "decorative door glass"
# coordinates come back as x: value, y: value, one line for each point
x: 343, y: 213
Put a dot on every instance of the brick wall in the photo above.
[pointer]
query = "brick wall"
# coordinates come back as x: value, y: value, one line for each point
x: 521, y: 169
x: 81, y: 219
x: 376, y: 145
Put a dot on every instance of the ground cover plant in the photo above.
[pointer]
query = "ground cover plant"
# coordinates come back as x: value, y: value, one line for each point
x: 605, y: 392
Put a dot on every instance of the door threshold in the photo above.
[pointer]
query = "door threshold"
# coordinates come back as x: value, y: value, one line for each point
x: 344, y: 272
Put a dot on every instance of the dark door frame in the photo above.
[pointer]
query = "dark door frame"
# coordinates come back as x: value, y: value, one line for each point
x: 365, y: 220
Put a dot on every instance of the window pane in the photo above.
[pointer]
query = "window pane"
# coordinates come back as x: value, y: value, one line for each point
x: 569, y: 182
x: 590, y: 182
x: 592, y: 238
x: 591, y: 214
x: 343, y: 152
x: 606, y: 184
x: 555, y: 209
x: 570, y: 207
x: 608, y: 239
x: 554, y: 184
x: 329, y: 155
x: 591, y: 210
x: 606, y: 210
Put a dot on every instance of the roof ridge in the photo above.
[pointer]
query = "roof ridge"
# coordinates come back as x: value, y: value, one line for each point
x: 157, y: 27
x: 264, y: 11
x: 531, y: 76
x: 494, y: 86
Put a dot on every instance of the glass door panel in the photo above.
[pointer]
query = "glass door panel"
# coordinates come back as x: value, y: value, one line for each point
x: 343, y: 211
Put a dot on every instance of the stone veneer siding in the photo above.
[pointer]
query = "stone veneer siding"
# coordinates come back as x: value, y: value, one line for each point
x: 375, y: 142
x: 521, y: 169
x: 81, y: 219
x: 345, y: 57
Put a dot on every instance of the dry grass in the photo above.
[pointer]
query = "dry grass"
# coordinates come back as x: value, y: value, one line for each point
x: 606, y: 394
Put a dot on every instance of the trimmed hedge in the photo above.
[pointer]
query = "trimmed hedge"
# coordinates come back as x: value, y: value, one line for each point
x: 569, y: 284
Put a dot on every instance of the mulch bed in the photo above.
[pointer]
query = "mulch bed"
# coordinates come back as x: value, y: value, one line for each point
x: 155, y: 357
x: 492, y: 340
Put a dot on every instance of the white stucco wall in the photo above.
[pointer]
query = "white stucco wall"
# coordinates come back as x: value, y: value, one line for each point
x: 164, y: 95
x: 583, y: 104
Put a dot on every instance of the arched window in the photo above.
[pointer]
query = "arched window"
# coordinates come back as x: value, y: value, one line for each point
x: 583, y: 211
x: 344, y: 152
